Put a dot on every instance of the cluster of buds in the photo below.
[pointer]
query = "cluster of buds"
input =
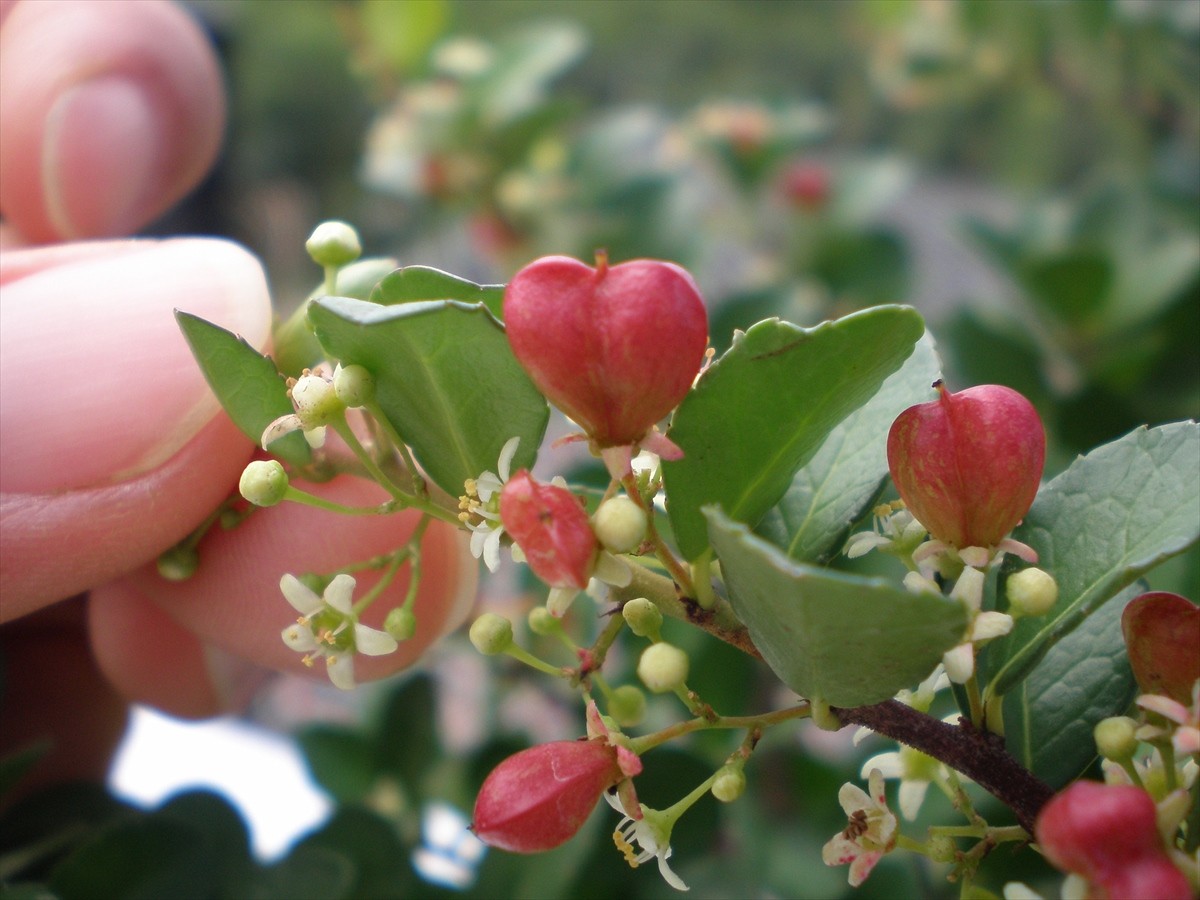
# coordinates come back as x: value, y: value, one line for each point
x: 616, y: 348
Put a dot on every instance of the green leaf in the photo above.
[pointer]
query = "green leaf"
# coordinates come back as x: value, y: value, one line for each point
x: 246, y: 383
x: 844, y: 639
x: 834, y: 489
x: 445, y: 378
x: 525, y: 64
x: 340, y: 759
x: 1113, y: 515
x: 408, y: 744
x: 1085, y: 677
x: 424, y: 283
x: 762, y: 411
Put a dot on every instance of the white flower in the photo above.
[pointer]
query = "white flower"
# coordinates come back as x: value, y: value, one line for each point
x: 482, y: 502
x: 870, y: 834
x: 895, y: 530
x: 960, y: 661
x: 652, y: 833
x: 1181, y: 724
x: 316, y: 404
x: 328, y: 627
x: 914, y: 769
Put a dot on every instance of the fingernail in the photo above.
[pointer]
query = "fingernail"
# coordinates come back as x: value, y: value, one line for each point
x: 100, y: 158
x: 97, y: 383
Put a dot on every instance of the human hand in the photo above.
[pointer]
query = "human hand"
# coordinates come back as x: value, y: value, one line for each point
x: 113, y: 446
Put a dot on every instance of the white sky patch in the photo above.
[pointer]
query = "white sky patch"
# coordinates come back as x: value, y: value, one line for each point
x: 260, y: 772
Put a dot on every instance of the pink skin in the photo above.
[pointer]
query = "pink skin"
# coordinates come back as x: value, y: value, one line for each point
x: 968, y: 465
x: 552, y: 529
x: 539, y: 798
x: 113, y: 446
x: 1108, y: 834
x: 615, y: 347
x: 1162, y: 634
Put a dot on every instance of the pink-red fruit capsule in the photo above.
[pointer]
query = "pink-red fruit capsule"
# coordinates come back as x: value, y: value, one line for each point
x: 1108, y: 834
x: 616, y: 348
x: 540, y: 797
x: 968, y: 465
x: 1162, y: 635
x: 552, y: 529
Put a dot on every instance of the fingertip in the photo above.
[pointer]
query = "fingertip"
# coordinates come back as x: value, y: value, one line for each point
x: 112, y: 112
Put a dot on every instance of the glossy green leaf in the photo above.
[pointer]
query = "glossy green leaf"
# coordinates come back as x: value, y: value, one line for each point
x: 445, y: 378
x: 762, y: 411
x: 424, y: 283
x: 1113, y: 515
x: 246, y: 383
x: 1085, y: 677
x: 848, y: 640
x: 834, y: 489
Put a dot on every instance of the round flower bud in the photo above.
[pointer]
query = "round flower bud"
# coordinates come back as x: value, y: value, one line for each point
x: 1031, y: 592
x: 354, y: 386
x: 730, y: 784
x: 1116, y: 738
x: 620, y: 524
x: 491, y: 634
x: 543, y: 622
x: 333, y: 243
x: 316, y: 401
x: 264, y: 482
x: 179, y: 563
x: 663, y: 667
x: 400, y: 623
x: 643, y: 617
x: 627, y: 705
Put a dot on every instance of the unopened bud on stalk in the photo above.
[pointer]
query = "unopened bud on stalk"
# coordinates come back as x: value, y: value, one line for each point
x: 491, y: 634
x: 333, y: 243
x: 264, y: 482
x: 1116, y: 738
x: 730, y: 784
x: 400, y: 623
x: 620, y: 524
x: 1031, y: 592
x: 354, y: 386
x: 643, y: 617
x: 663, y: 667
x: 627, y: 705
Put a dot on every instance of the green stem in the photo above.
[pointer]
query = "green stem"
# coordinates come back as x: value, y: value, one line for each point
x: 295, y: 495
x: 519, y: 653
x: 648, y: 742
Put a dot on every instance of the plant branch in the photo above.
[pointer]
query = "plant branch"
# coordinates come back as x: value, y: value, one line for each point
x: 977, y: 754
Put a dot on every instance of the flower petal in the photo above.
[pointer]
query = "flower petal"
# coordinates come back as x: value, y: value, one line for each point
x: 303, y: 599
x: 669, y: 876
x: 284, y: 425
x: 340, y: 592
x: 372, y: 641
x: 912, y: 795
x: 507, y: 452
x: 854, y: 799
x: 612, y: 570
x: 300, y: 638
x: 340, y: 667
x: 862, y: 866
x: 959, y: 663
x: 888, y: 764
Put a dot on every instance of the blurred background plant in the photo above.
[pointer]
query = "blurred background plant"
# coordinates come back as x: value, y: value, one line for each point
x: 1027, y: 174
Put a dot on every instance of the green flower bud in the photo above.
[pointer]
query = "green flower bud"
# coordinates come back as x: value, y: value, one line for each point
x: 179, y: 563
x: 400, y: 623
x: 543, y: 622
x: 354, y: 386
x: 491, y: 634
x: 1116, y: 738
x: 333, y: 243
x: 627, y: 706
x: 316, y: 401
x: 643, y: 617
x: 730, y: 784
x: 620, y: 524
x: 264, y: 482
x: 663, y: 667
x: 1031, y: 592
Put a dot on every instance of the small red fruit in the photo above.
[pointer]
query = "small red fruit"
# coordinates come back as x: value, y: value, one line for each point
x: 616, y: 348
x: 540, y: 797
x: 968, y: 465
x: 1108, y: 834
x: 552, y: 529
x: 1162, y: 636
